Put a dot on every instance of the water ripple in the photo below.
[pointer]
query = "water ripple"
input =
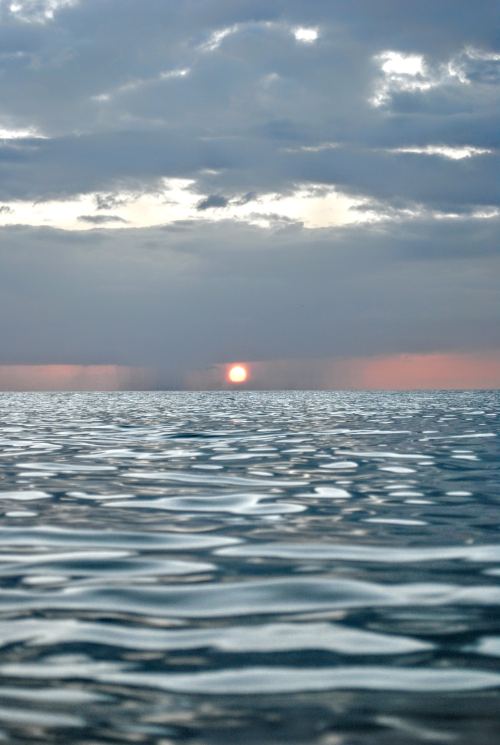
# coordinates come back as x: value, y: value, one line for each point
x: 251, y: 567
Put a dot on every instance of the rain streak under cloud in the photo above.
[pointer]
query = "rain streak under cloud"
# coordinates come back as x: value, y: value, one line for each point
x: 310, y: 189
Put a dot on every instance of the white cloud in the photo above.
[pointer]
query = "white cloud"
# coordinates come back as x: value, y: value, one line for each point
x: 315, y: 206
x: 483, y: 214
x: 401, y: 72
x: 302, y: 34
x: 11, y: 133
x: 137, y: 83
x: 482, y: 54
x: 461, y: 65
x: 452, y: 152
x: 175, y: 201
x: 35, y: 11
x: 320, y: 147
x: 410, y: 72
x: 177, y: 73
x: 217, y: 37
x: 395, y: 63
x: 306, y: 35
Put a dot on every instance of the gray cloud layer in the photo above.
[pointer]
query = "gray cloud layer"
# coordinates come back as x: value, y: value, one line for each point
x: 128, y: 93
x: 194, y: 295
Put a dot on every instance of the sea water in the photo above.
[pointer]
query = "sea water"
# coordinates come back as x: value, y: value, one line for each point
x: 250, y: 567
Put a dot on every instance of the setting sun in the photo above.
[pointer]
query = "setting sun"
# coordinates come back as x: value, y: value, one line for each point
x: 237, y: 374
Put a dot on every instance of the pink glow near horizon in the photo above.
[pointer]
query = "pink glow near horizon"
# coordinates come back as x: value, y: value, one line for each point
x: 427, y: 371
x: 69, y: 377
x: 391, y: 372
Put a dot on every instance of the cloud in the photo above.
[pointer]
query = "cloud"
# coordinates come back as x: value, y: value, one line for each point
x: 9, y: 133
x: 111, y: 117
x: 212, y: 201
x: 34, y: 11
x: 108, y: 201
x: 232, y: 152
x: 306, y: 35
x: 182, y: 299
x: 446, y: 151
x: 173, y: 200
x: 101, y: 219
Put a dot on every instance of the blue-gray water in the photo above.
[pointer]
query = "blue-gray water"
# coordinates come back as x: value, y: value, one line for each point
x: 250, y: 568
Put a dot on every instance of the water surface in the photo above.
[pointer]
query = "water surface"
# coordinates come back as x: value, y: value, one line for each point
x: 250, y: 567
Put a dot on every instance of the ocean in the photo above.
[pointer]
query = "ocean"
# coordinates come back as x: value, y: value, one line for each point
x: 250, y: 567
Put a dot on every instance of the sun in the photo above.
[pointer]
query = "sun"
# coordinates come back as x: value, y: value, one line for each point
x: 237, y: 374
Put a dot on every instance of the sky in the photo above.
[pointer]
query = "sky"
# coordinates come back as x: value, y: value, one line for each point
x: 306, y: 187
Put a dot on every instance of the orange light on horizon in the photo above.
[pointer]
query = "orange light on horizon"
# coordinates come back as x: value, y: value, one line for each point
x: 237, y: 374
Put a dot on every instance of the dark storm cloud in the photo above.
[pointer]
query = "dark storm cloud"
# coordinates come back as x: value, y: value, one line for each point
x: 129, y: 93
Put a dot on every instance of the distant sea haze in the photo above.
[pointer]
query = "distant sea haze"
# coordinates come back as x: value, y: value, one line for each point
x: 385, y: 372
